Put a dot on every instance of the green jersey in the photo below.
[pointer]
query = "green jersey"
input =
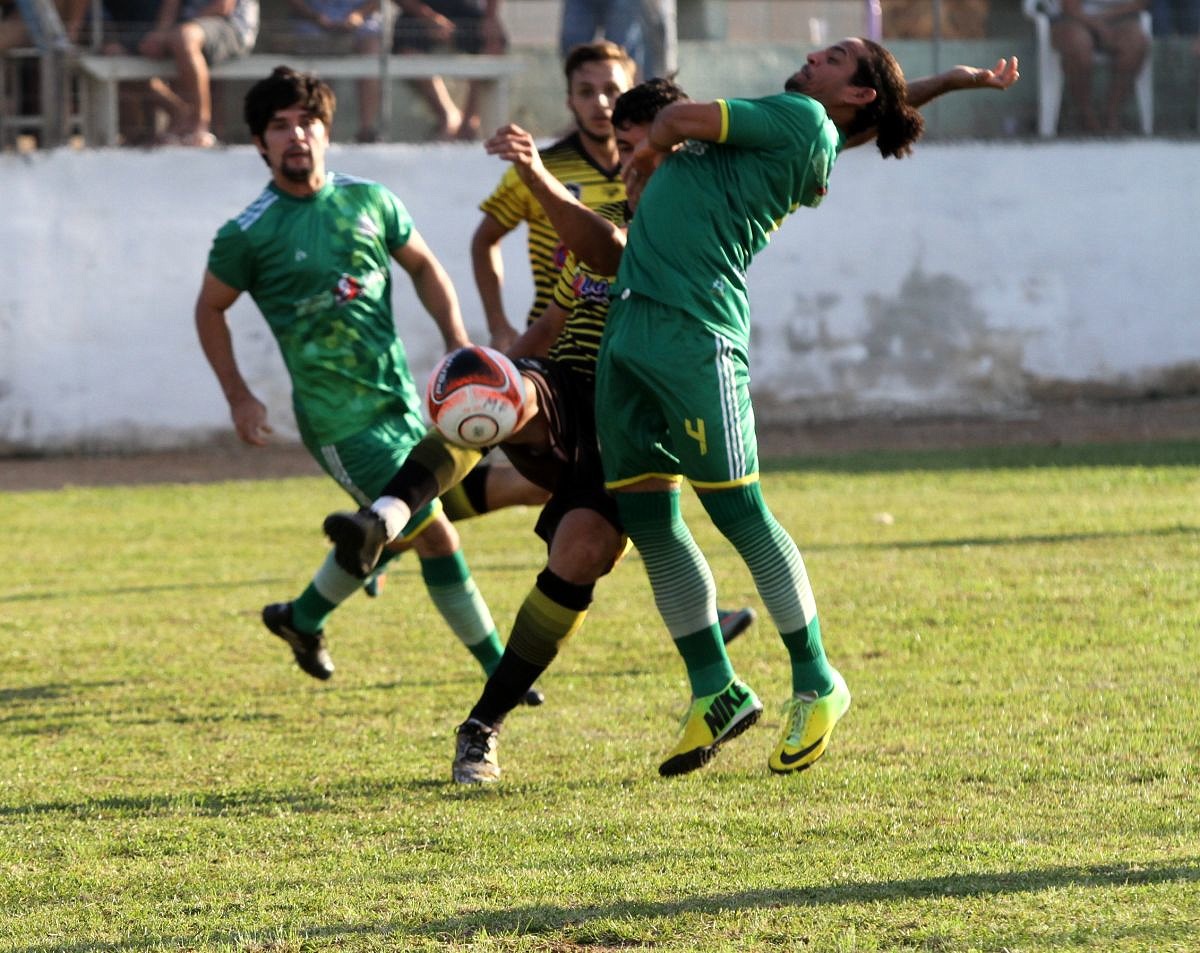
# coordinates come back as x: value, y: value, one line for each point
x: 710, y: 207
x: 319, y: 269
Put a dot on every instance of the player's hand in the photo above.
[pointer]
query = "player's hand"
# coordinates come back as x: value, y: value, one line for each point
x: 1000, y: 76
x: 513, y: 144
x: 250, y: 421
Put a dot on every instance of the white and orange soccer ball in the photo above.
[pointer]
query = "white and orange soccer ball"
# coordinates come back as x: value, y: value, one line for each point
x: 475, y: 396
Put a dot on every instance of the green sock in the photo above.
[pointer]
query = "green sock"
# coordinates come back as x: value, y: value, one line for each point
x: 457, y: 598
x: 780, y: 577
x: 683, y: 585
x: 330, y: 587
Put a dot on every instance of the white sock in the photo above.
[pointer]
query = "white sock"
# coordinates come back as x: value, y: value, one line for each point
x: 394, y: 513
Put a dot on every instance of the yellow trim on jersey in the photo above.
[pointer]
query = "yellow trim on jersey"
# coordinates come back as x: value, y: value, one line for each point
x: 669, y: 477
x: 725, y: 484
x: 724, y: 120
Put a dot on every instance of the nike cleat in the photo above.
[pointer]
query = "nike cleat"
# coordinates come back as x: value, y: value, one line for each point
x: 358, y: 540
x: 807, y: 724
x: 309, y: 648
x: 735, y: 621
x: 475, y: 754
x: 710, y: 722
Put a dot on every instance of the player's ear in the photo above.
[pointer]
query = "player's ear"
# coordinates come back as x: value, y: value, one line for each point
x: 860, y: 95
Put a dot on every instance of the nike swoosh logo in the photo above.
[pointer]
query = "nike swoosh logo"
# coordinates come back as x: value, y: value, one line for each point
x: 786, y: 758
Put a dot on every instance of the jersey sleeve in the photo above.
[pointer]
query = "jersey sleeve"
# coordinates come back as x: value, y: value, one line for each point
x: 397, y: 223
x: 770, y: 123
x: 231, y: 257
x: 509, y: 202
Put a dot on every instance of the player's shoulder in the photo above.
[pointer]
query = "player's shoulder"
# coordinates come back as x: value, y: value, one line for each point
x: 343, y: 180
x: 252, y: 214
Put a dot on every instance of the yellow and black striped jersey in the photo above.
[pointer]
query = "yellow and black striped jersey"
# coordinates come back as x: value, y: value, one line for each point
x: 512, y: 203
x: 584, y: 294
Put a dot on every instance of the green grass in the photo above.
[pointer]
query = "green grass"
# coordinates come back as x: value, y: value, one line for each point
x: 1018, y: 770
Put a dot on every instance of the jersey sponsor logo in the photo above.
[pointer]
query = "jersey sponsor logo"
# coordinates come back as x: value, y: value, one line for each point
x: 348, y: 288
x: 695, y: 147
x: 574, y: 188
x: 558, y: 257
x: 301, y: 254
x: 588, y: 288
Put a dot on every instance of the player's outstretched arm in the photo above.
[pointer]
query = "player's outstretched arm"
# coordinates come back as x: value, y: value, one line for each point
x: 926, y: 88
x: 249, y: 414
x: 957, y: 78
x: 591, y: 237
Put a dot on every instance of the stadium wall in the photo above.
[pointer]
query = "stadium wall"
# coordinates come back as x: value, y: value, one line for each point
x: 974, y: 279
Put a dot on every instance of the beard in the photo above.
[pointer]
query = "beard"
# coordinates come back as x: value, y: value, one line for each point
x: 793, y: 85
x: 294, y: 171
x: 587, y: 133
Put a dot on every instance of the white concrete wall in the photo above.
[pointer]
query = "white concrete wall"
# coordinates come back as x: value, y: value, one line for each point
x: 972, y: 278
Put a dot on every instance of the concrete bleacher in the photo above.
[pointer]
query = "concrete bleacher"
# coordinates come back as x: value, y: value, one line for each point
x: 101, y: 76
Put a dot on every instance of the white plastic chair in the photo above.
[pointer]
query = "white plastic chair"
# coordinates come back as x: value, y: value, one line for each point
x: 1050, y: 74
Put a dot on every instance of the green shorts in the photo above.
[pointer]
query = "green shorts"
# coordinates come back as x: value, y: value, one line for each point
x: 672, y: 398
x: 364, y: 463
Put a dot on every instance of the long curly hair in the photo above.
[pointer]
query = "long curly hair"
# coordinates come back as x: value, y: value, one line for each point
x: 897, y: 125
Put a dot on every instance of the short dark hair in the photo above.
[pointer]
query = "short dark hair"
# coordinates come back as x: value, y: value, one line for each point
x: 644, y: 101
x: 283, y: 89
x: 897, y: 125
x: 603, y: 51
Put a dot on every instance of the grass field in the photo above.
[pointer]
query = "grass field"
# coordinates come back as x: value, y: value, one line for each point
x: 1021, y: 634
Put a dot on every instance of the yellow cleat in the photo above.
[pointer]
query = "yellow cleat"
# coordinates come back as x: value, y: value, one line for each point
x: 807, y: 724
x: 711, y: 721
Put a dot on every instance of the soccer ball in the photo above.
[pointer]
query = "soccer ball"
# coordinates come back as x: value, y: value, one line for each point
x: 475, y: 396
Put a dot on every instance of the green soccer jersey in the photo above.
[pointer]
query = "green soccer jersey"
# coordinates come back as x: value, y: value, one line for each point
x: 710, y: 207
x: 319, y: 269
x: 512, y: 203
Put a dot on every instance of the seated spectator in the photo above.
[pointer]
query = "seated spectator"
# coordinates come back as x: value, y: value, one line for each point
x: 15, y: 33
x: 24, y: 96
x: 341, y: 26
x: 125, y: 25
x: 1078, y: 30
x: 208, y: 32
x: 469, y: 26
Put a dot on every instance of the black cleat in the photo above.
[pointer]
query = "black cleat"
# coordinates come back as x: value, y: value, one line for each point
x: 475, y: 754
x: 735, y: 621
x: 311, y: 654
x: 358, y: 540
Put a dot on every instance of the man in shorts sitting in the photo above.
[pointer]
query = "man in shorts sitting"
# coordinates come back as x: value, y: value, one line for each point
x: 467, y: 26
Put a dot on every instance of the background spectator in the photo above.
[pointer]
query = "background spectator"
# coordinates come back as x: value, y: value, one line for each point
x: 125, y: 26
x: 620, y: 21
x: 468, y: 26
x: 1175, y: 17
x: 341, y: 26
x: 1078, y: 30
x: 208, y: 32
